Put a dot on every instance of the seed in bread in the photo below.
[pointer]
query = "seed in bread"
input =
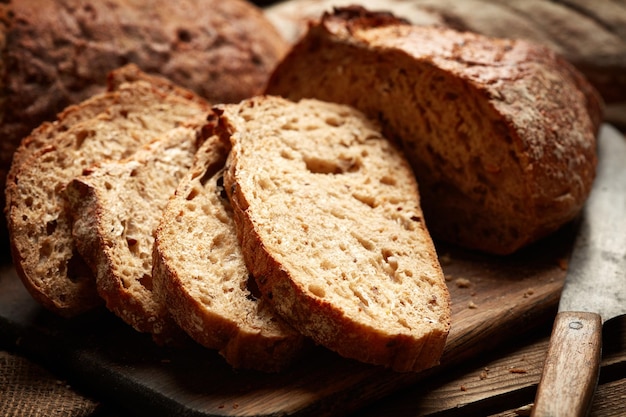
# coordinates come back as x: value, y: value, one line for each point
x: 329, y: 219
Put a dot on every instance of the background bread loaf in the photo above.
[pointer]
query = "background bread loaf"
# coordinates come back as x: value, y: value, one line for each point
x: 54, y: 53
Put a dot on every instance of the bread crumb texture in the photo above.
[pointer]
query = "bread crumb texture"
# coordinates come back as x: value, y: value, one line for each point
x: 340, y: 248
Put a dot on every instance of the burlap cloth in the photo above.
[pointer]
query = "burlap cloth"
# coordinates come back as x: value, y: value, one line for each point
x: 28, y: 390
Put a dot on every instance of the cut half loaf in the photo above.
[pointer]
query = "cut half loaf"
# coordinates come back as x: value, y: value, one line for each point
x: 500, y: 133
x: 200, y: 275
x: 329, y: 219
x: 109, y: 126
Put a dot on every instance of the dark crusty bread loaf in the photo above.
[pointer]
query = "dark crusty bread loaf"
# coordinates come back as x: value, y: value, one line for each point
x: 55, y: 53
x: 200, y: 275
x: 110, y: 125
x: 115, y: 208
x: 328, y: 216
x: 500, y: 133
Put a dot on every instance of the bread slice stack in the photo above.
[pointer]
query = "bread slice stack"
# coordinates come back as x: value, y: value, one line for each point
x: 126, y: 199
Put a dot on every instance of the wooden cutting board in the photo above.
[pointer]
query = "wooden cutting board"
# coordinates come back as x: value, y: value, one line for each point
x: 495, y: 299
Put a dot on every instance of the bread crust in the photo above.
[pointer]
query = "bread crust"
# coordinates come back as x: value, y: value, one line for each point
x: 288, y: 282
x: 592, y: 36
x: 501, y: 133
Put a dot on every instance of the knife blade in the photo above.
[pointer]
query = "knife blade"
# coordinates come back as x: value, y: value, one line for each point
x: 594, y: 289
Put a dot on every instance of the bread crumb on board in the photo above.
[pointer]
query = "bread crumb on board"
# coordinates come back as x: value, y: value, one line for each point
x: 471, y: 305
x: 445, y: 259
x: 463, y: 282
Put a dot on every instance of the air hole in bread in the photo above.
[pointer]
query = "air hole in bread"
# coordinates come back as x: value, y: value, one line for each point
x: 77, y: 269
x: 334, y: 121
x: 317, y: 290
x: 220, y: 187
x: 364, y: 301
x: 80, y: 137
x: 366, y: 243
x: 319, y: 165
x: 146, y: 281
x: 253, y: 289
x: 132, y: 244
x: 365, y: 199
x: 388, y: 180
x: 183, y: 35
x: 287, y: 154
x: 402, y: 322
x: 51, y: 226
x: 327, y: 264
x: 390, y: 259
x: 45, y: 249
x: 192, y: 194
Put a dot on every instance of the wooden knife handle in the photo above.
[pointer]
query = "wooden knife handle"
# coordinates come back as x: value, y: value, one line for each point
x: 571, y: 368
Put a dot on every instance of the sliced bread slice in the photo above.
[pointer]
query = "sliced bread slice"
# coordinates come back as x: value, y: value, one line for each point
x: 114, y: 125
x: 328, y: 215
x: 199, y: 273
x: 116, y: 207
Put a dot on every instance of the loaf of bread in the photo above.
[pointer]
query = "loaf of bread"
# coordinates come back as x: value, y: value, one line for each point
x: 115, y: 208
x: 55, y: 53
x: 200, y: 275
x: 590, y: 35
x: 501, y: 133
x: 328, y: 216
x: 108, y: 126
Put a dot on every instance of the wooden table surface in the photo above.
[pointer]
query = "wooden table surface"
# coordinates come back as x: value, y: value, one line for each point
x: 503, y: 383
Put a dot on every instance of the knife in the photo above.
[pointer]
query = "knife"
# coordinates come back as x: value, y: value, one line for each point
x: 594, y: 290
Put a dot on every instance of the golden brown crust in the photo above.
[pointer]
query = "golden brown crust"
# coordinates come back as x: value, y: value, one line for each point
x: 501, y: 133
